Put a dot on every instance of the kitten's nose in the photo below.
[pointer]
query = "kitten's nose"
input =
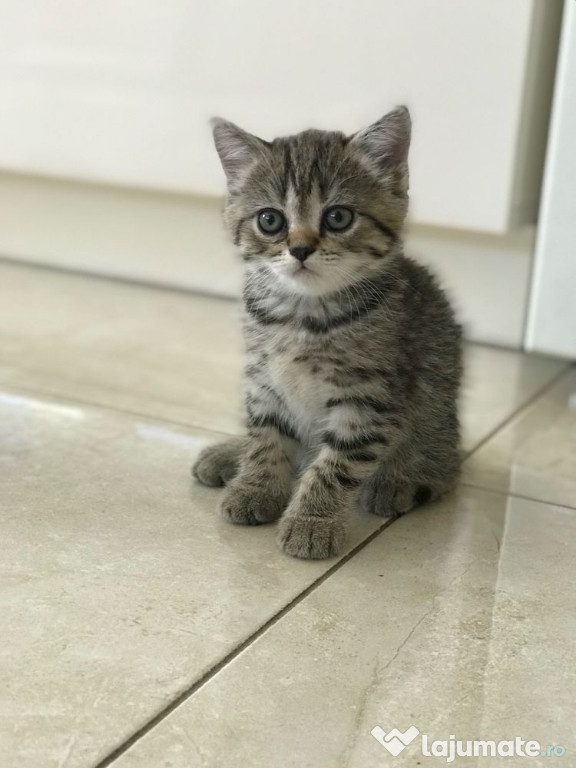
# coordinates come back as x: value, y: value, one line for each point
x: 301, y: 252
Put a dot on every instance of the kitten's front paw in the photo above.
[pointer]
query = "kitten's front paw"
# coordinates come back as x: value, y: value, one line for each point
x: 218, y: 464
x: 245, y: 504
x: 312, y: 538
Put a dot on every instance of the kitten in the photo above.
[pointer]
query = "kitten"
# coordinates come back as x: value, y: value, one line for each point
x: 353, y: 354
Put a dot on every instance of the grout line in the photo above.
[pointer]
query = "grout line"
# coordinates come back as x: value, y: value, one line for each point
x: 230, y: 657
x: 499, y: 491
x: 17, y: 390
x: 532, y: 399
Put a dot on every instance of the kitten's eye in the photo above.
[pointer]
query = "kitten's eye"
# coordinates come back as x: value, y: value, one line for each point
x: 271, y: 221
x: 338, y: 218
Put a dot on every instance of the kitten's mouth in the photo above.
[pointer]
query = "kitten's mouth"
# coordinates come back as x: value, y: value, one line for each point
x: 303, y: 271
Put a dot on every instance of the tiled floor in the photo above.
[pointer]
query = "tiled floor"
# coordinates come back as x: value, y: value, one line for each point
x: 139, y: 630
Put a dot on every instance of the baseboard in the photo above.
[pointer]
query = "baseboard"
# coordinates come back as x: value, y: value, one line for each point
x: 177, y: 240
x: 487, y: 276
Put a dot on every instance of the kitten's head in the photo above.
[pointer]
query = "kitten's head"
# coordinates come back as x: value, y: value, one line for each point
x: 320, y: 210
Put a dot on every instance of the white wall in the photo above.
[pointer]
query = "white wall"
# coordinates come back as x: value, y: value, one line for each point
x: 108, y: 160
x: 120, y: 91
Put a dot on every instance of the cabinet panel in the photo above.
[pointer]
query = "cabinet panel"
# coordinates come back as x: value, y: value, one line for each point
x: 552, y: 315
x: 120, y: 91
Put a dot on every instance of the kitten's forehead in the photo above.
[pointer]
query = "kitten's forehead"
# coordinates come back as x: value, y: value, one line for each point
x: 309, y: 162
x: 303, y: 209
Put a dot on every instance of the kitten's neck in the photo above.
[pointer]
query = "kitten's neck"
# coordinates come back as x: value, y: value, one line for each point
x: 269, y: 303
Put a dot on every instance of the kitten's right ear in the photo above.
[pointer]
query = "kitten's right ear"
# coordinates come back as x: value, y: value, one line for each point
x: 238, y: 149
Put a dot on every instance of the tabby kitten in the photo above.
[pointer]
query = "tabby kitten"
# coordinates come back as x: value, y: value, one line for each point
x: 353, y: 355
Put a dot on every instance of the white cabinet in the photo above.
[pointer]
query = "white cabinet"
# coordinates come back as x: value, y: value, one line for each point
x: 552, y: 316
x: 120, y: 91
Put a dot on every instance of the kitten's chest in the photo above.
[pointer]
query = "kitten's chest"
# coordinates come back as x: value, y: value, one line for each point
x: 298, y: 375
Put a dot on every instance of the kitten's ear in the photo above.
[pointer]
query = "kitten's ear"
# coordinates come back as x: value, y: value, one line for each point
x: 386, y: 142
x: 238, y: 150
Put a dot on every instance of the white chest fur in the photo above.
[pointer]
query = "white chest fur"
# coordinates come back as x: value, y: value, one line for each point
x: 301, y: 386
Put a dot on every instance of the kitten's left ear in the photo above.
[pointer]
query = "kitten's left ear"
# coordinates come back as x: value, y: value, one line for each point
x: 386, y: 142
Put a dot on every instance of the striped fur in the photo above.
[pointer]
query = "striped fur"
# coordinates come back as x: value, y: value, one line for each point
x: 353, y: 363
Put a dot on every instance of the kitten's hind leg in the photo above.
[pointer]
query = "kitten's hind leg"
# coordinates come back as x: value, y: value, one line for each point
x: 218, y: 464
x: 389, y: 496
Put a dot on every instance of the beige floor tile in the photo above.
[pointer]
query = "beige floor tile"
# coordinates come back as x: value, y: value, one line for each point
x: 177, y: 356
x: 534, y: 455
x: 496, y: 383
x: 162, y: 353
x: 119, y: 584
x: 458, y: 620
